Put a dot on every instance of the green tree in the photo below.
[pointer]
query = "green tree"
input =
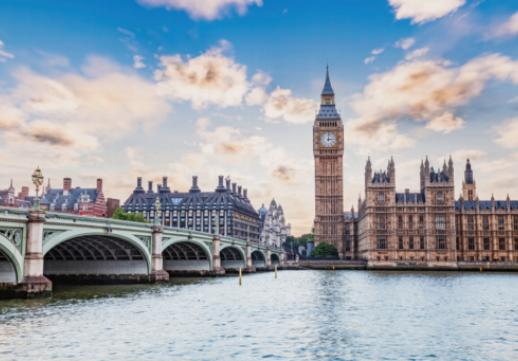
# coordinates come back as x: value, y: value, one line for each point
x: 325, y: 250
x: 125, y: 216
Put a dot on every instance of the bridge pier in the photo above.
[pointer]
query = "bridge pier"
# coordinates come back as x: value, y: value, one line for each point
x: 34, y: 283
x: 216, y: 259
x: 158, y: 274
x: 249, y: 262
x: 268, y: 260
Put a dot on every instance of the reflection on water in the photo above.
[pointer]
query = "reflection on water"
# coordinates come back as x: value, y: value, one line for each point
x: 303, y: 315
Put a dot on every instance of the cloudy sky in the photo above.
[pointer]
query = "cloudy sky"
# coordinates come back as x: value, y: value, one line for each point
x: 127, y: 88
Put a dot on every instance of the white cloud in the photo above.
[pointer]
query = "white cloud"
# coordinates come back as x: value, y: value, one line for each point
x: 374, y: 54
x: 216, y: 79
x: 417, y: 53
x: 282, y: 104
x: 79, y: 110
x: 369, y: 59
x: 405, y: 43
x: 422, y: 11
x: 205, y: 9
x: 425, y: 91
x: 507, y: 133
x: 4, y: 54
x: 445, y: 123
x: 509, y: 28
x: 211, y: 78
x: 138, y: 62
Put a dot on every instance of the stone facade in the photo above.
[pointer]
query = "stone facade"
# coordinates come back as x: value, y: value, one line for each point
x: 430, y: 227
x: 273, y: 227
x: 487, y: 230
x: 226, y: 210
x: 408, y: 227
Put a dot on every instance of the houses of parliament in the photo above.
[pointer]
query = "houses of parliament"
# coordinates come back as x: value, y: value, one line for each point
x: 426, y: 228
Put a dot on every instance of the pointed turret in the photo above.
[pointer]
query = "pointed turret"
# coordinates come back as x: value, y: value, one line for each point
x: 469, y: 187
x: 328, y: 89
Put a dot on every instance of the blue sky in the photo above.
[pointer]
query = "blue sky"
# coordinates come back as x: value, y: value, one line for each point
x: 125, y: 88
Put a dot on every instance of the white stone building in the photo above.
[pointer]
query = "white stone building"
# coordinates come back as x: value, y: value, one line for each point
x: 273, y: 227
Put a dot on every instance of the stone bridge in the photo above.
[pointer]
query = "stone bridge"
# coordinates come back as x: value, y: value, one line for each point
x: 36, y: 246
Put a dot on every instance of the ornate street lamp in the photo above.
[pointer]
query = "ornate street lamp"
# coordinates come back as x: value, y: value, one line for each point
x: 37, y: 180
x: 158, y: 211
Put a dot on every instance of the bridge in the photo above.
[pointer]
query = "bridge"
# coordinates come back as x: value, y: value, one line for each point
x: 36, y: 246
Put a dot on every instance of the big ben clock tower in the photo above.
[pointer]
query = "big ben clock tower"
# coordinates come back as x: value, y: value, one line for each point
x: 328, y: 149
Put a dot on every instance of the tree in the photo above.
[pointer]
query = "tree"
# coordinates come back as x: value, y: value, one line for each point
x: 325, y: 250
x: 125, y: 216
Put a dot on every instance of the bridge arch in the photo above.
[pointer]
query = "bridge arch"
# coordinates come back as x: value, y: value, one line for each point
x: 100, y: 254
x: 11, y: 262
x: 258, y: 259
x: 232, y: 257
x: 186, y: 255
x: 274, y: 258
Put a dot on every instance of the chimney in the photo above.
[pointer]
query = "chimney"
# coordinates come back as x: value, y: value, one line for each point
x: 221, y: 187
x: 24, y: 193
x: 164, y: 182
x: 139, y: 182
x: 67, y: 184
x: 239, y: 191
x: 228, y: 183
x: 150, y: 186
x: 99, y: 185
x: 234, y: 188
x: 245, y: 193
x: 194, y: 187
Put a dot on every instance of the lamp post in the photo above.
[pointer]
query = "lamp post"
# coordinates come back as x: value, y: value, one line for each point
x: 158, y: 211
x: 37, y: 180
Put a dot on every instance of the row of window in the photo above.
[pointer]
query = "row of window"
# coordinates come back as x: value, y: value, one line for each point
x: 418, y: 243
x: 486, y: 244
x: 472, y: 226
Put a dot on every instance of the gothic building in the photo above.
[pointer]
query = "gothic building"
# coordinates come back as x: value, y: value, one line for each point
x: 226, y: 210
x: 427, y: 227
x: 272, y: 224
x: 416, y: 227
x: 487, y: 230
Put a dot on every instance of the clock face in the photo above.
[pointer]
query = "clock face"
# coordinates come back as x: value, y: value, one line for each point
x: 328, y: 139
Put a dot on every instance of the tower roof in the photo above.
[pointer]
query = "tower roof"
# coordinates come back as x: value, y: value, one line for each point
x: 328, y: 89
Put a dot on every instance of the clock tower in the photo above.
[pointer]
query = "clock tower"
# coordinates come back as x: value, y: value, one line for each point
x: 328, y: 149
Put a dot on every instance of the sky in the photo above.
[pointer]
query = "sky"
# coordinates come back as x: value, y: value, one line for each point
x: 126, y: 88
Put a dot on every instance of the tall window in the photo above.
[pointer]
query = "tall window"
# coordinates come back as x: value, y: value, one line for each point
x: 440, y: 197
x: 515, y: 223
x: 471, y: 243
x: 400, y: 223
x: 410, y: 222
x: 440, y: 222
x: 485, y: 223
x: 501, y: 244
x: 411, y: 242
x: 381, y: 242
x: 421, y: 243
x: 401, y: 246
x: 441, y: 241
x: 381, y: 197
x: 487, y: 244
x: 516, y: 244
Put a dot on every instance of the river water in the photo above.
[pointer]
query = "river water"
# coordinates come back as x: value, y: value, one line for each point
x: 301, y: 315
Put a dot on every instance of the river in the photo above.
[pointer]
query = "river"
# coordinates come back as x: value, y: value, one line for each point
x: 301, y: 315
